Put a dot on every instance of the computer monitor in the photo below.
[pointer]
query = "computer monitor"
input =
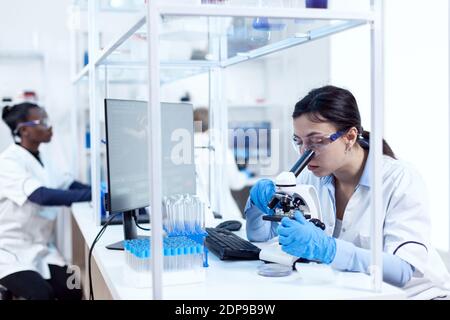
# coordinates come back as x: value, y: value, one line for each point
x: 127, y: 157
x: 127, y: 166
x: 249, y: 140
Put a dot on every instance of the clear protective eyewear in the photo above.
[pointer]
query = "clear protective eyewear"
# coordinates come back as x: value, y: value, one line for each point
x: 34, y: 123
x: 315, y: 142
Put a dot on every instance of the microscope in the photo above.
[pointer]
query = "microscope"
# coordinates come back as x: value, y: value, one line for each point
x: 290, y: 197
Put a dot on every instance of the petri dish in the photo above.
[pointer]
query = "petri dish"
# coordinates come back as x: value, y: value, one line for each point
x: 274, y: 270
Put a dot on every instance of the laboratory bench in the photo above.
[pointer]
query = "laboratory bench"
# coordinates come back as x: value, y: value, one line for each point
x: 224, y: 280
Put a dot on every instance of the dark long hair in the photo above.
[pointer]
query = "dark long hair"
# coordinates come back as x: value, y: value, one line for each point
x: 338, y: 106
x: 16, y: 114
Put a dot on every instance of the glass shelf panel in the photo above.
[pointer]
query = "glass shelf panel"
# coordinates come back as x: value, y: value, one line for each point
x: 228, y: 38
x: 203, y: 41
x: 125, y: 74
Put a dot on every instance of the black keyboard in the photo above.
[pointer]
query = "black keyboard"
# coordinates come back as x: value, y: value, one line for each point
x: 229, y: 246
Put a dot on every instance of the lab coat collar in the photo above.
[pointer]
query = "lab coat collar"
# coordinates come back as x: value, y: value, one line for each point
x: 23, y: 153
x: 365, y: 177
x: 328, y: 180
x: 35, y: 155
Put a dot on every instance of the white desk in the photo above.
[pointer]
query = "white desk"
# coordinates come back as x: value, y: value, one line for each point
x: 224, y: 279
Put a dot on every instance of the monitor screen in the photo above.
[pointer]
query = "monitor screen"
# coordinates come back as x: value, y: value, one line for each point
x: 127, y: 152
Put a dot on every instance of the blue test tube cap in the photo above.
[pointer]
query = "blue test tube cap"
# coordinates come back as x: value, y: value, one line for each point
x: 205, y: 260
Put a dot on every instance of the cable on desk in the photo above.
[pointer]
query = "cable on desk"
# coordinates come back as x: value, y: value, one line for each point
x: 97, y: 238
x: 137, y: 225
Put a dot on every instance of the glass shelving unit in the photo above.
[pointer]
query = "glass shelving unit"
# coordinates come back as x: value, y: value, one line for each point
x: 174, y: 39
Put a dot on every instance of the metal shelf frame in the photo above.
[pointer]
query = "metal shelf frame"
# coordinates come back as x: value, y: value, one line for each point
x: 295, y: 40
x: 150, y: 19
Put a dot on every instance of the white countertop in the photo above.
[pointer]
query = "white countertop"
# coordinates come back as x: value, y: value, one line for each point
x: 226, y: 280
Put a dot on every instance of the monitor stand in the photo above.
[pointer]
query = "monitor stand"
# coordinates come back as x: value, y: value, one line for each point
x: 129, y: 230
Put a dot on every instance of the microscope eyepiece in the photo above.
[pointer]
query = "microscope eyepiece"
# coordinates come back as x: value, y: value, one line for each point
x: 296, y: 169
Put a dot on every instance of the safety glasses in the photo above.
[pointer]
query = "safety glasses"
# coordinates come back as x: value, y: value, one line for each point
x: 315, y: 142
x: 42, y: 122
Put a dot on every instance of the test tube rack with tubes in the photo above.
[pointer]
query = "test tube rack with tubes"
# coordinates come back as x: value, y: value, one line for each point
x: 185, y: 256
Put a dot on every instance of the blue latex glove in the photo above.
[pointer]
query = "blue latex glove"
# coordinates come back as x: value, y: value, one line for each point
x: 261, y: 194
x: 302, y: 239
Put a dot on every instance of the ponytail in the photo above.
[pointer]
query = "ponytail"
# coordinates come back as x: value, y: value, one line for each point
x: 16, y: 114
x: 364, y: 142
x: 6, y: 110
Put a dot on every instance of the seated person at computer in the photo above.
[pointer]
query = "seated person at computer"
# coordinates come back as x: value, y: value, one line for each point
x: 237, y: 180
x: 30, y: 266
x: 340, y: 171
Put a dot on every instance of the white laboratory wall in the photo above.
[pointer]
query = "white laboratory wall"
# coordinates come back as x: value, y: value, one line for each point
x: 417, y: 84
x: 10, y: 84
x: 290, y: 75
x: 40, y: 26
x: 244, y: 85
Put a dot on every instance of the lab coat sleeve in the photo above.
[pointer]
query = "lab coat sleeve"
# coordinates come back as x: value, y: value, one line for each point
x: 236, y: 179
x: 65, y: 180
x: 57, y: 166
x: 16, y: 183
x: 351, y: 258
x: 407, y: 222
x: 258, y: 230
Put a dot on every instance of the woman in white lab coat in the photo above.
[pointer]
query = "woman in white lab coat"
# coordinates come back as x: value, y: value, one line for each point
x: 30, y: 266
x: 236, y: 180
x: 328, y: 122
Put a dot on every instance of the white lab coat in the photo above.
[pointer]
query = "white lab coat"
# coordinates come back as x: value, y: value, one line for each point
x: 26, y: 229
x: 406, y: 222
x: 235, y: 179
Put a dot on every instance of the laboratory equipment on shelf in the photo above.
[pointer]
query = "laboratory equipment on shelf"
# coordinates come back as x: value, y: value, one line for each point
x: 317, y: 4
x: 262, y: 28
x: 264, y: 24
